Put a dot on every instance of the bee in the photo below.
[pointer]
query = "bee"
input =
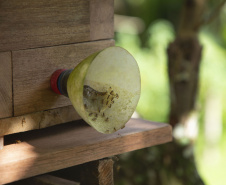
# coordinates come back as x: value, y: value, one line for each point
x: 109, y: 106
x: 90, y: 114
x: 94, y: 119
x: 108, y: 97
x: 117, y: 96
x: 123, y: 127
x: 115, y: 129
x: 106, y: 119
x: 85, y: 106
x: 18, y: 141
x: 112, y: 92
x: 103, y: 115
x: 106, y: 102
x: 96, y: 115
x: 23, y: 121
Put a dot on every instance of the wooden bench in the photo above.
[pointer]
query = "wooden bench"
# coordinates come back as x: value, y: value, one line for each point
x: 70, y: 144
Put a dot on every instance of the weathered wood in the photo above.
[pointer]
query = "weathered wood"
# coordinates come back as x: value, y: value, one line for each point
x: 31, y: 24
x: 5, y: 85
x: 45, y: 180
x: 38, y: 120
x: 101, y: 19
x: 71, y: 144
x: 98, y: 172
x: 1, y: 142
x: 33, y: 68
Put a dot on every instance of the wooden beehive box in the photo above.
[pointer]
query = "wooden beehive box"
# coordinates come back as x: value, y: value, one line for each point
x: 37, y: 38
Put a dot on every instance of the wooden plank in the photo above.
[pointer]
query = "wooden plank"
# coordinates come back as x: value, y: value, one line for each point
x: 33, y: 68
x: 71, y: 144
x: 45, y: 180
x: 101, y: 19
x: 31, y: 24
x: 5, y: 85
x: 1, y: 142
x: 98, y: 172
x: 38, y: 120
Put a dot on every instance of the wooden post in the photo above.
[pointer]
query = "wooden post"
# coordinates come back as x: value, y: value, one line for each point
x: 97, y: 173
x: 1, y: 142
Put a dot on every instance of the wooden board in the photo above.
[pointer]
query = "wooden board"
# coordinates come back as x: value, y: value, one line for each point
x: 6, y: 109
x: 33, y: 68
x: 38, y: 120
x: 1, y: 142
x: 101, y: 26
x: 31, y: 24
x: 71, y: 144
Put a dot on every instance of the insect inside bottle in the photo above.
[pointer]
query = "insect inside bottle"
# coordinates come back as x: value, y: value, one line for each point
x: 96, y: 102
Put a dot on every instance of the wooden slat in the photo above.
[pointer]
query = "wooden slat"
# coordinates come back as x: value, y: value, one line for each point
x: 38, y: 120
x: 1, y: 142
x: 71, y: 144
x: 101, y: 19
x: 30, y: 24
x: 33, y: 68
x: 5, y: 84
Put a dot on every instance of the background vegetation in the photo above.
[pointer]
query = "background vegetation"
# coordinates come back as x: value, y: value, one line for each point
x: 145, y: 28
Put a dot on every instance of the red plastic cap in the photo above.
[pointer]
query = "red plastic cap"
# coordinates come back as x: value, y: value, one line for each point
x: 53, y: 80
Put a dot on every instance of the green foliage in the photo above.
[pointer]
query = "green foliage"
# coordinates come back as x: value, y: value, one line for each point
x: 154, y: 101
x: 161, y: 18
x: 210, y: 157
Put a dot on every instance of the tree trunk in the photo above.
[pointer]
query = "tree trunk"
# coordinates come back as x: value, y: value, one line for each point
x: 184, y: 57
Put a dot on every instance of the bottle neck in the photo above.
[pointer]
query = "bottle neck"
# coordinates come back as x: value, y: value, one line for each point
x: 62, y: 82
x: 58, y: 81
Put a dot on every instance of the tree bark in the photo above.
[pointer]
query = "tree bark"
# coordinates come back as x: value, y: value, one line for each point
x: 184, y: 57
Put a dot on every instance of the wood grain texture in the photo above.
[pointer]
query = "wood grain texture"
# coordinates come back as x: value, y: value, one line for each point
x: 98, y: 172
x: 6, y: 109
x: 101, y: 19
x: 1, y: 142
x: 30, y: 24
x: 38, y: 120
x: 34, y: 67
x: 71, y: 144
x: 45, y: 180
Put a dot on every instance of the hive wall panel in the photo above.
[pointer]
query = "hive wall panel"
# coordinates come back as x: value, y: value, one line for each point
x: 31, y: 24
x: 34, y: 67
x: 5, y: 85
